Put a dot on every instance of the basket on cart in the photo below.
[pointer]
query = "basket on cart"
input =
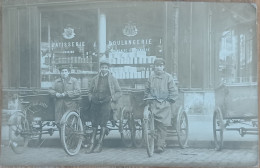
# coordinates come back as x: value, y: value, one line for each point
x: 235, y: 104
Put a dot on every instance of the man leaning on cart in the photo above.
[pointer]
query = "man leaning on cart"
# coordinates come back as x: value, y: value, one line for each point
x: 64, y: 89
x: 160, y: 93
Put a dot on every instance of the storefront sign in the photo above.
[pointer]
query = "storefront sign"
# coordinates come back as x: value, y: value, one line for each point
x: 68, y: 44
x: 130, y: 42
x: 68, y: 33
x: 130, y: 30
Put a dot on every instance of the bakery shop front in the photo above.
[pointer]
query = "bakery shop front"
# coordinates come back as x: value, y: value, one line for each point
x: 39, y: 36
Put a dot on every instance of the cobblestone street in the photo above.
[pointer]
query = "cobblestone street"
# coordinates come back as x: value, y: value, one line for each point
x: 238, y: 151
x: 112, y: 154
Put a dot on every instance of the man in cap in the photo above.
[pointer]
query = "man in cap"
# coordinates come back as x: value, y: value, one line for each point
x: 64, y: 89
x: 162, y: 92
x: 104, y: 92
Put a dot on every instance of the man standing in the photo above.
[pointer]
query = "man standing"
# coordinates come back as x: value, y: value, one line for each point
x: 104, y: 93
x: 64, y: 89
x: 162, y: 90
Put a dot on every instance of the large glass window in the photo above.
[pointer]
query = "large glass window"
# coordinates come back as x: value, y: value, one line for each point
x: 236, y: 62
x: 135, y: 37
x: 68, y: 37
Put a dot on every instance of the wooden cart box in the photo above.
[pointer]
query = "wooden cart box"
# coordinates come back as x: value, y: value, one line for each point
x: 38, y: 104
x: 237, y: 100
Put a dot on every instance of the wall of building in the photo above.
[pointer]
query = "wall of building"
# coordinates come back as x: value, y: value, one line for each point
x: 187, y: 34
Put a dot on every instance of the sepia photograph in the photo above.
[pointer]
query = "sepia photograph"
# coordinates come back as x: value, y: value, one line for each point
x: 129, y: 83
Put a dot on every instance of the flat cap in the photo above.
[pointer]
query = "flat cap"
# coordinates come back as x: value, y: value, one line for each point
x: 64, y: 66
x: 104, y: 61
x: 159, y: 61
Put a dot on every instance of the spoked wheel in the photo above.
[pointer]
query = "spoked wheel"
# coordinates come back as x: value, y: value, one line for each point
x: 126, y: 127
x: 182, y: 128
x: 72, y: 133
x: 218, y: 127
x: 19, y: 133
x: 149, y: 134
x: 138, y: 133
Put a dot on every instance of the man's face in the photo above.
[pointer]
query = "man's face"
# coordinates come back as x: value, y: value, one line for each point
x: 64, y: 73
x: 104, y: 68
x: 159, y: 68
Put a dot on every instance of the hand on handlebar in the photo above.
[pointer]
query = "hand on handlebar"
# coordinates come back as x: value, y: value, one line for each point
x: 171, y: 101
x: 149, y: 101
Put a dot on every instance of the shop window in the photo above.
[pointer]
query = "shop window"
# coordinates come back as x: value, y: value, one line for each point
x: 134, y: 41
x: 236, y: 63
x: 68, y: 37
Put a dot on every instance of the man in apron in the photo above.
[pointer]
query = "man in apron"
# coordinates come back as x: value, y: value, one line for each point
x: 161, y: 88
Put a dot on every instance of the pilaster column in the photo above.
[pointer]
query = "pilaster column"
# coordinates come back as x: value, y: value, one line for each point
x: 101, y: 33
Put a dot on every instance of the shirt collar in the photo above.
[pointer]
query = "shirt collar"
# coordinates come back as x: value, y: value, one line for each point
x: 159, y: 75
x: 103, y: 75
x: 67, y: 80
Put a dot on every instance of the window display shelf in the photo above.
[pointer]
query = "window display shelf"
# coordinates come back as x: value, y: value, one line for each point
x: 132, y: 65
x: 83, y: 73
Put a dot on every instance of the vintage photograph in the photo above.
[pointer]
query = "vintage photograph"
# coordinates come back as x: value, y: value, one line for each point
x: 129, y: 83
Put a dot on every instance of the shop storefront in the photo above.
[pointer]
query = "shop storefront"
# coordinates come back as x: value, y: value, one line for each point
x: 199, y: 53
x: 81, y: 38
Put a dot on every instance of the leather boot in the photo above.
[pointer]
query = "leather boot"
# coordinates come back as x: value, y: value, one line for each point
x: 90, y: 147
x: 98, y: 148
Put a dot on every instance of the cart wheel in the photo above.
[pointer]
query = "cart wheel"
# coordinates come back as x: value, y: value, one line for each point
x: 126, y: 129
x: 182, y: 128
x: 218, y: 127
x: 149, y: 134
x: 72, y: 133
x: 19, y: 133
x: 138, y: 133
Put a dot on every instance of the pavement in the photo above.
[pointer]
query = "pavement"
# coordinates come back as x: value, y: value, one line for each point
x: 131, y: 157
x: 237, y: 152
x: 200, y: 135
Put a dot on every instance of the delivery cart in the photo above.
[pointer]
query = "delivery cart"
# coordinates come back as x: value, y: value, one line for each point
x: 236, y: 110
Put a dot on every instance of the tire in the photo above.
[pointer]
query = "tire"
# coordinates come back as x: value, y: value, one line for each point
x: 149, y: 134
x: 218, y: 128
x: 72, y: 133
x: 138, y: 133
x: 182, y: 128
x: 126, y: 129
x: 19, y: 133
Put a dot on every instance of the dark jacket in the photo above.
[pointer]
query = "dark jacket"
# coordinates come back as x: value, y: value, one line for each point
x: 114, y: 88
